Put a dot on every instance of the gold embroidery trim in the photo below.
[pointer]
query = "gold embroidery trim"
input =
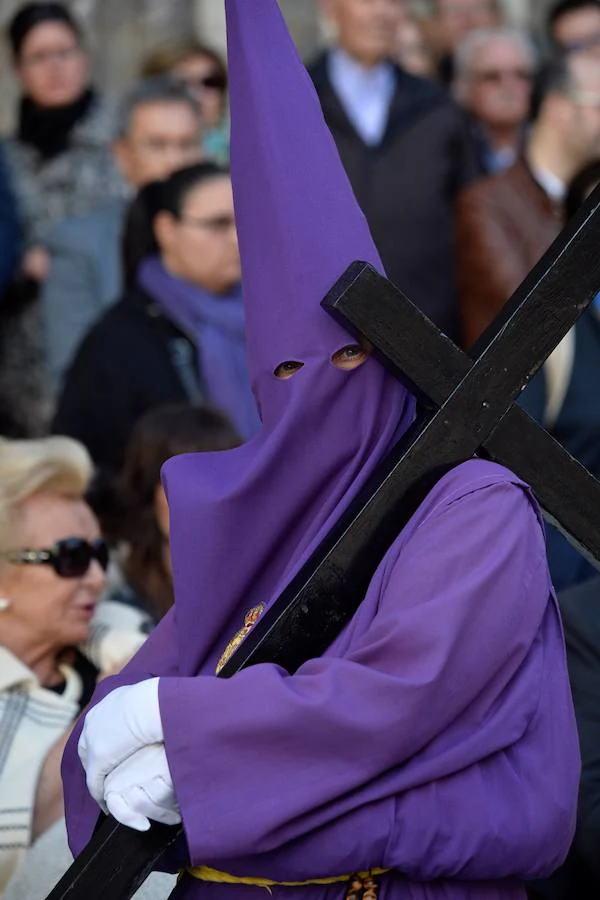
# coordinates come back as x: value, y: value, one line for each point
x: 250, y: 620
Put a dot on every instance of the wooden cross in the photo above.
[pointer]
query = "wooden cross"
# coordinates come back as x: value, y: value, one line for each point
x: 467, y: 409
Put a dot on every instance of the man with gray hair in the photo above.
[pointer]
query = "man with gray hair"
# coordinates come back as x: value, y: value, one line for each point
x: 493, y: 78
x: 507, y: 221
x: 158, y: 131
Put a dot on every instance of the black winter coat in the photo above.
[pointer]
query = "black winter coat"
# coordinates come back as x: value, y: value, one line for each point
x: 407, y: 185
x: 132, y: 360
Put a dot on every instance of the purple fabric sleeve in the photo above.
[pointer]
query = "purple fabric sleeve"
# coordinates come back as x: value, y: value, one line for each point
x: 432, y: 721
x: 158, y: 656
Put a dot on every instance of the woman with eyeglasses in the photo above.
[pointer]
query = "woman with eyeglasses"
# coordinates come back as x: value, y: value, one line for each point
x: 52, y: 564
x: 177, y: 334
x: 60, y: 165
x: 59, y: 155
x: 204, y: 73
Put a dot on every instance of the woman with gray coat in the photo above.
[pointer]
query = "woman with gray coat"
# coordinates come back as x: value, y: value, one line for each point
x: 60, y: 165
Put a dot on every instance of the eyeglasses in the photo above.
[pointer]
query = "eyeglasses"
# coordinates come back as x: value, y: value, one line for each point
x: 158, y: 147
x: 497, y: 76
x: 61, y: 55
x: 591, y: 42
x: 70, y: 558
x: 218, y: 224
x: 213, y: 82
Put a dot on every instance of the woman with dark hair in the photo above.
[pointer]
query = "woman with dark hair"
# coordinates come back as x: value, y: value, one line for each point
x: 59, y: 165
x: 177, y: 334
x: 59, y: 157
x: 202, y: 70
x: 140, y: 526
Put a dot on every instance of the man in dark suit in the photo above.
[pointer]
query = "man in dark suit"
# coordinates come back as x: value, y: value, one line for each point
x: 405, y: 147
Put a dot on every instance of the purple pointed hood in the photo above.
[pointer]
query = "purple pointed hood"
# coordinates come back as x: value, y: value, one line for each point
x: 298, y: 221
x: 243, y: 521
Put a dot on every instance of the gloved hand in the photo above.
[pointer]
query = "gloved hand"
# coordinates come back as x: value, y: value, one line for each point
x: 141, y: 788
x: 125, y: 721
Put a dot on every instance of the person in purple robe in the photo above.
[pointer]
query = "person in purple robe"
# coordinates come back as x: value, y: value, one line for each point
x: 431, y: 752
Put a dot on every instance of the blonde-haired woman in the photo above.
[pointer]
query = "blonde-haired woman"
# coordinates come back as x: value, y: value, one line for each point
x: 52, y: 564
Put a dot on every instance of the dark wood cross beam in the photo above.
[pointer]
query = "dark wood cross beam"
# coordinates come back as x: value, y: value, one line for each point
x: 408, y: 343
x: 469, y: 409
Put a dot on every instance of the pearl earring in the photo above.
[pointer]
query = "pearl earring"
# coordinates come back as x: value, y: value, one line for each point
x: 4, y: 604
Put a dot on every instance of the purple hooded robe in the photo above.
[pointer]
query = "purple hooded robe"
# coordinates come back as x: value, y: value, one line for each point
x: 436, y: 737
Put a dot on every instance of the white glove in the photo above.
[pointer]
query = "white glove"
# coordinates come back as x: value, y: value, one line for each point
x: 125, y: 721
x: 141, y: 788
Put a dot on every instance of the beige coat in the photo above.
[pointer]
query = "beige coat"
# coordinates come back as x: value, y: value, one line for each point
x: 32, y: 720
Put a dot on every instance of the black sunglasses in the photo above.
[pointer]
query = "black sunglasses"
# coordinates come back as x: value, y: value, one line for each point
x: 70, y: 558
x: 215, y: 82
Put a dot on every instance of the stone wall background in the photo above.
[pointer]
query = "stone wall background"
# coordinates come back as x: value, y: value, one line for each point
x: 121, y: 31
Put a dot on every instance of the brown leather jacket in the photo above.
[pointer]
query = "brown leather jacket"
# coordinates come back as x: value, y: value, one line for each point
x: 505, y: 224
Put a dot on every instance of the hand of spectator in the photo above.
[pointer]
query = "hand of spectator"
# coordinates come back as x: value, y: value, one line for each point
x: 36, y: 263
x: 141, y: 790
x: 124, y: 722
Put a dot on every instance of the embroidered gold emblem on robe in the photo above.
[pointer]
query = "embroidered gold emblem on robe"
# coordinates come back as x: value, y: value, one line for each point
x: 250, y: 620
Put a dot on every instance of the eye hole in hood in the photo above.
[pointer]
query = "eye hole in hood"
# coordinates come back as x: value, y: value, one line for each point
x: 350, y: 357
x: 346, y: 359
x: 287, y: 369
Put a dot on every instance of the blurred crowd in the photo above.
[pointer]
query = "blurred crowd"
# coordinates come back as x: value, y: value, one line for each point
x: 469, y: 145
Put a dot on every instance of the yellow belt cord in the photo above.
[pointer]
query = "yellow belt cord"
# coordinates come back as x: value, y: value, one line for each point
x: 203, y: 873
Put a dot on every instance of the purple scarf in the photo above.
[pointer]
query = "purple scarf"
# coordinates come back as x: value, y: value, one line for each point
x: 216, y: 326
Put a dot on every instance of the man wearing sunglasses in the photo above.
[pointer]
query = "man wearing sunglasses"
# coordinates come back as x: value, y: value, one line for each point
x: 494, y: 71
x: 507, y: 221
